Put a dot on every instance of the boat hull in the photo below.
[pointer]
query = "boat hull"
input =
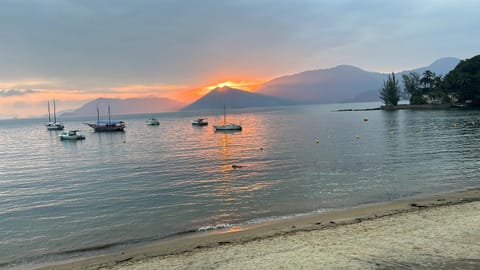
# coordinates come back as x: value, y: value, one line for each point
x: 200, y: 124
x: 107, y: 127
x: 54, y: 126
x: 72, y: 138
x: 231, y: 127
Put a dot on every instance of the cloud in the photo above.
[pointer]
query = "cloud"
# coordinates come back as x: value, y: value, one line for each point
x: 91, y: 44
x: 16, y: 92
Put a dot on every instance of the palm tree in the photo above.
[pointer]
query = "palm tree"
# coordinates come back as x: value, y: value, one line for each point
x: 427, y: 79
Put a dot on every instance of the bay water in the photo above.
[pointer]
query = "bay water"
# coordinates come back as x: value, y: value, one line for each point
x: 64, y: 199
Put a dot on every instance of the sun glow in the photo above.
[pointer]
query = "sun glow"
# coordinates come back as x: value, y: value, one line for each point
x: 226, y: 84
x: 243, y: 85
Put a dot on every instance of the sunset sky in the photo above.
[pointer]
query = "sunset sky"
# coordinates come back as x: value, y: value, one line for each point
x: 79, y: 50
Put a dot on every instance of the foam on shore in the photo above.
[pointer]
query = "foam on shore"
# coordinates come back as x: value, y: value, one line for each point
x: 229, y: 236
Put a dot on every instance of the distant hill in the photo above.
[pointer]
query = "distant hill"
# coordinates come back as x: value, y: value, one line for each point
x: 331, y: 85
x: 234, y: 98
x: 441, y: 66
x: 127, y: 106
x: 339, y: 84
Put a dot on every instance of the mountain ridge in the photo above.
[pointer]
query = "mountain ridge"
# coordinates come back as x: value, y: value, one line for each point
x: 235, y: 99
x: 340, y: 84
x: 126, y: 106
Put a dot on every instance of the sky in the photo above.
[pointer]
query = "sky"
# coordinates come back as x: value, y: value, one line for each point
x: 79, y: 50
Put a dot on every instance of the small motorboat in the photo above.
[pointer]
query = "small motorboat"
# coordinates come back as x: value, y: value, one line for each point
x: 199, y: 122
x: 152, y: 122
x: 71, y: 135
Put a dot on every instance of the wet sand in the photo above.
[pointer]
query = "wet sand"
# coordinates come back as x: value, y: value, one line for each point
x: 436, y: 232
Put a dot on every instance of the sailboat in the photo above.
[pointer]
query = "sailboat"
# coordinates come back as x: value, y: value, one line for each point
x: 225, y: 126
x: 106, y: 126
x: 53, y: 125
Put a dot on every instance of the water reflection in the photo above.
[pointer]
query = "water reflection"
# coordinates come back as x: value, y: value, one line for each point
x: 225, y: 189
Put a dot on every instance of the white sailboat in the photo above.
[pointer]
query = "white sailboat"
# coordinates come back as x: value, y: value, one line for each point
x: 225, y: 126
x: 53, y: 125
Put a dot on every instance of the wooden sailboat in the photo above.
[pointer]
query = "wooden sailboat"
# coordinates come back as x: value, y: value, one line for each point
x: 106, y: 126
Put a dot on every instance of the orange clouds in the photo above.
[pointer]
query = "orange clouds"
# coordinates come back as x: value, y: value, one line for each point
x: 28, y: 98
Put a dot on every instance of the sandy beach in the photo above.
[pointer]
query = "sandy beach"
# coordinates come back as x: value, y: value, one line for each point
x: 435, y: 232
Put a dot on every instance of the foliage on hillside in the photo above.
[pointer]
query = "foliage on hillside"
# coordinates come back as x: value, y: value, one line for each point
x: 464, y: 80
x: 461, y: 85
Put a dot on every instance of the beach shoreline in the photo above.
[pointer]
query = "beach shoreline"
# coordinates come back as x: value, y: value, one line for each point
x: 250, y: 234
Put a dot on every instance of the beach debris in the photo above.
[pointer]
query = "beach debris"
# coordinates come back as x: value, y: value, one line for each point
x: 417, y: 205
x: 261, y: 148
x: 365, y: 119
x: 235, y: 166
x: 124, y: 260
x: 332, y: 222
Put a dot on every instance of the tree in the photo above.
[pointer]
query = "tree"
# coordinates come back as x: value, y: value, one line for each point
x: 427, y: 79
x: 390, y: 93
x: 412, y: 90
x: 464, y: 81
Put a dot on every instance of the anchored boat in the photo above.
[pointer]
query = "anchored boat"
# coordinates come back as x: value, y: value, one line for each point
x: 71, y: 135
x: 53, y: 125
x: 106, y: 126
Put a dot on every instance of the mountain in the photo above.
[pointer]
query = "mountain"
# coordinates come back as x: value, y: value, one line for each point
x: 441, y: 66
x: 127, y: 106
x: 340, y: 84
x: 323, y: 86
x: 234, y: 98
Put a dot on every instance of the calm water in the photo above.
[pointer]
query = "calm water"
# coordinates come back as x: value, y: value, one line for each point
x: 60, y: 199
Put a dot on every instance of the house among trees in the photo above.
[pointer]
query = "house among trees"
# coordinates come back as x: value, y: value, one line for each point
x: 460, y: 87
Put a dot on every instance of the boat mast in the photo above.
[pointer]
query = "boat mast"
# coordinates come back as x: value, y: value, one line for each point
x: 98, y: 114
x: 224, y: 115
x: 54, y: 113
x: 109, y: 121
x: 49, y: 117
